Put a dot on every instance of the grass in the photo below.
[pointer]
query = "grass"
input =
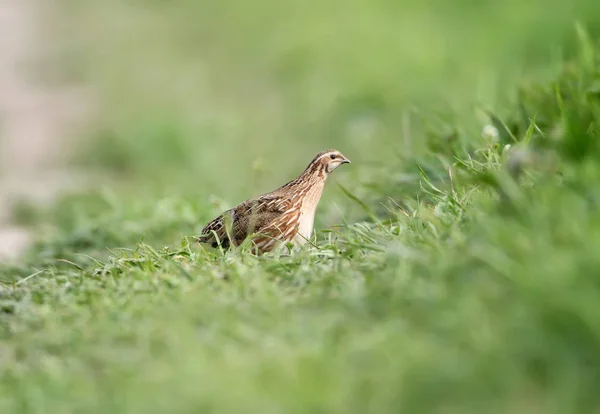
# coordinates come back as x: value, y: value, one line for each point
x: 451, y: 272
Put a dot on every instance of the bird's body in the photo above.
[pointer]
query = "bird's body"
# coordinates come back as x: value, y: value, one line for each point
x: 285, y: 215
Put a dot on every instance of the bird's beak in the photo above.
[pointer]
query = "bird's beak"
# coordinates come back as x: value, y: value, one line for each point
x: 346, y: 161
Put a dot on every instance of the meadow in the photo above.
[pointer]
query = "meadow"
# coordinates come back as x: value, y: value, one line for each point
x: 456, y: 265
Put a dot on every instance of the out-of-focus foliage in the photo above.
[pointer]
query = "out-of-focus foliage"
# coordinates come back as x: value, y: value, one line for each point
x: 210, y: 89
x: 456, y: 269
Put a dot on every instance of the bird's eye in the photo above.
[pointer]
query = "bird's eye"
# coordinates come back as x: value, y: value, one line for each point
x: 332, y: 156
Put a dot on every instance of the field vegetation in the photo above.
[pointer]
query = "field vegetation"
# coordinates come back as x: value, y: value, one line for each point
x: 456, y: 266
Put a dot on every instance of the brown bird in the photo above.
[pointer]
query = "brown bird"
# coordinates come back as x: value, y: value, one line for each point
x: 285, y: 215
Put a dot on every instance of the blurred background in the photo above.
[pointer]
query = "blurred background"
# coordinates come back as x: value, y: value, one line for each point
x: 220, y: 100
x: 125, y: 125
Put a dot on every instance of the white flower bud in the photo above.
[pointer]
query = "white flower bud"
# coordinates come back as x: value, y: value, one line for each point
x: 490, y: 132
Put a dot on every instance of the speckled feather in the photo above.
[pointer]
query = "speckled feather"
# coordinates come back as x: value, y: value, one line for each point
x: 275, y: 217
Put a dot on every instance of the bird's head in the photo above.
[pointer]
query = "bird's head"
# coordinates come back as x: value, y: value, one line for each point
x: 327, y: 161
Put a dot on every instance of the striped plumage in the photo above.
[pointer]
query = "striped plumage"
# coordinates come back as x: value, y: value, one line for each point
x: 285, y: 215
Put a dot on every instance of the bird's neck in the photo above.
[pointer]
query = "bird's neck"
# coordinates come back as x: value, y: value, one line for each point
x: 314, y: 191
x: 313, y: 175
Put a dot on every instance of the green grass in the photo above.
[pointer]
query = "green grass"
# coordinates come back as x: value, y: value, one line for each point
x: 450, y: 273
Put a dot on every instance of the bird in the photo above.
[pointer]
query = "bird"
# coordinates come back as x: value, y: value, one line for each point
x: 283, y: 216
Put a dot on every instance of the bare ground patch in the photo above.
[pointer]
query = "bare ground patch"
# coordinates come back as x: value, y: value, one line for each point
x: 37, y: 121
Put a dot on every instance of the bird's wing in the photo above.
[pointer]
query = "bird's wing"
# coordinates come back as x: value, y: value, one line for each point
x: 270, y: 216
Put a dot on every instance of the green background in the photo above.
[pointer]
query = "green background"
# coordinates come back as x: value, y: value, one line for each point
x: 450, y: 274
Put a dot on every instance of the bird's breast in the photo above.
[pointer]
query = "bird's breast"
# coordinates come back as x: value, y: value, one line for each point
x: 305, y: 225
x: 307, y: 213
